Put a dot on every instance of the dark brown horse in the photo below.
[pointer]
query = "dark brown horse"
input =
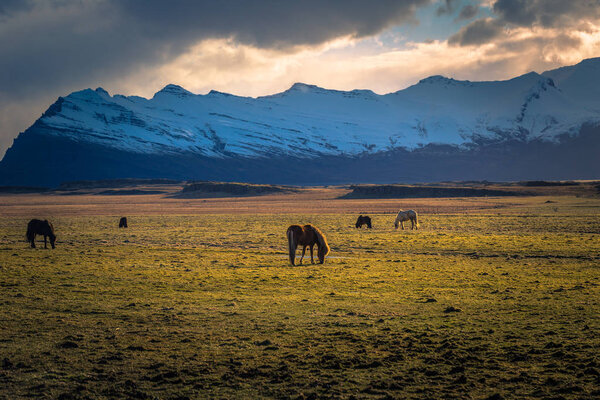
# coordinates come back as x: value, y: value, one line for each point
x: 39, y: 227
x: 123, y: 222
x: 362, y: 221
x: 306, y: 235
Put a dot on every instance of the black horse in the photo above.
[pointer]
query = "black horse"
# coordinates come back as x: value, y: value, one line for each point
x: 39, y: 227
x: 123, y: 222
x: 362, y: 221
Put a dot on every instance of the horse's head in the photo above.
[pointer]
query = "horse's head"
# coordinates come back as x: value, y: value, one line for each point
x: 359, y: 221
x: 396, y: 223
x: 322, y: 252
x: 369, y: 223
x: 322, y: 246
x: 51, y: 234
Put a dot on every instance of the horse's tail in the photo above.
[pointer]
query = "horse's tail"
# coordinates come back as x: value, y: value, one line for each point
x: 292, y: 244
x: 323, y: 246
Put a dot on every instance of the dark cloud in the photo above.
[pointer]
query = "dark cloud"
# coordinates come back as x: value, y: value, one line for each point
x: 559, y: 43
x: 52, y: 47
x: 9, y: 7
x: 447, y: 7
x: 58, y: 42
x: 467, y: 12
x: 547, y: 13
x: 478, y: 32
x: 267, y: 23
x: 527, y: 13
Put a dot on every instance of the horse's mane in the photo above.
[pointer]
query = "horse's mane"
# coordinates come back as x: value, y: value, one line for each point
x: 50, y: 226
x: 321, y: 239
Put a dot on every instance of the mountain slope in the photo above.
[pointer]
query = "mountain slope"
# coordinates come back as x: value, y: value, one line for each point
x: 580, y: 83
x: 182, y: 135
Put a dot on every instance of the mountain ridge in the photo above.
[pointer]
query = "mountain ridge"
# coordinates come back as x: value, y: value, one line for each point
x: 308, y: 122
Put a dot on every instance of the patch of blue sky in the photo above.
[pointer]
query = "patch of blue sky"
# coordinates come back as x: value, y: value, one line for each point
x: 429, y: 26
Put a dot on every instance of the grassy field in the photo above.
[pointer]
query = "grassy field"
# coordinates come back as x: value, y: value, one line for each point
x: 499, y: 301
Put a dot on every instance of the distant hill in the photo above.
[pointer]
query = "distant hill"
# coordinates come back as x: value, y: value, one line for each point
x: 22, y: 189
x: 204, y: 189
x: 114, y: 183
x: 403, y: 191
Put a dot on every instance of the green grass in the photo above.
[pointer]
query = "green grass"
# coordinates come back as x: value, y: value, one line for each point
x: 208, y: 307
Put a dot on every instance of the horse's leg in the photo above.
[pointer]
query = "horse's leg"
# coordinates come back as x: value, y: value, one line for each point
x: 402, y: 224
x: 45, y: 246
x: 33, y: 241
x: 312, y: 260
x: 303, y: 251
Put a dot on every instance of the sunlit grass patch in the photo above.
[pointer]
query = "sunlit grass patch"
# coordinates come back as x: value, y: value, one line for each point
x: 208, y: 306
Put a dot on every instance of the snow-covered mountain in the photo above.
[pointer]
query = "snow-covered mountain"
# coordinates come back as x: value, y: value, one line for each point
x: 309, y: 122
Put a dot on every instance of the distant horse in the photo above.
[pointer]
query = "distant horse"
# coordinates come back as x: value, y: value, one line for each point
x: 306, y: 235
x: 39, y: 227
x: 409, y: 215
x: 362, y: 221
x: 123, y: 222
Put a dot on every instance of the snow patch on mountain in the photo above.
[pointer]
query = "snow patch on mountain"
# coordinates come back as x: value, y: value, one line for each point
x: 307, y: 120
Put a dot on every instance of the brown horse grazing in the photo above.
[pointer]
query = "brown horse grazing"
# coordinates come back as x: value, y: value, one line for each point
x: 306, y: 235
x: 123, y: 222
x: 362, y: 221
x: 39, y: 227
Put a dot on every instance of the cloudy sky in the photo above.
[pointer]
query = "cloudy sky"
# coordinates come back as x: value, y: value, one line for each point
x: 49, y: 48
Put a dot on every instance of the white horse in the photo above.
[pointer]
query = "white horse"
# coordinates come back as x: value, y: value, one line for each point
x: 409, y: 215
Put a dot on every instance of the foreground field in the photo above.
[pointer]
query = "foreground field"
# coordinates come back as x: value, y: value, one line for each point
x: 499, y: 303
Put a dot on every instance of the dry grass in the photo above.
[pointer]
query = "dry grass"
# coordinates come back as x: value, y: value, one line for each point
x: 196, y: 300
x: 319, y: 200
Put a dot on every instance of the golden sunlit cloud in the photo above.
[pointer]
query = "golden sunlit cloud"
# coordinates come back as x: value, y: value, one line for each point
x: 224, y: 65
